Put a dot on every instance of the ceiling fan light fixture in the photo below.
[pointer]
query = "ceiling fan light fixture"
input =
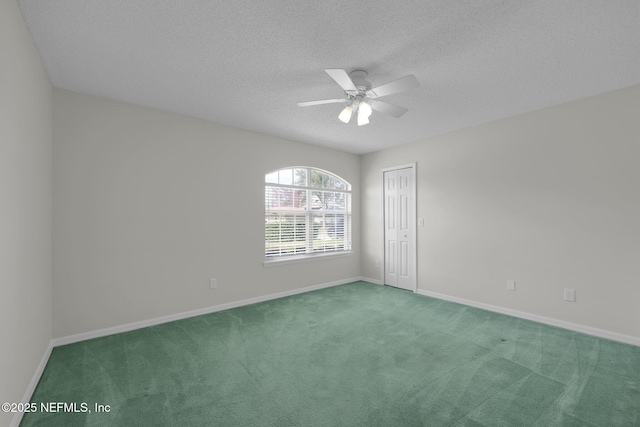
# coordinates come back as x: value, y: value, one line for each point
x: 364, y: 108
x: 362, y: 120
x: 364, y: 111
x: 345, y: 115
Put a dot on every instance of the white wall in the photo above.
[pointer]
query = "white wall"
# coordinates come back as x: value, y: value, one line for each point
x: 25, y: 207
x: 149, y: 205
x: 549, y: 198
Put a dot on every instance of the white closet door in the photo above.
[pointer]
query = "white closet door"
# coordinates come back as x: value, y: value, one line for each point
x: 400, y: 228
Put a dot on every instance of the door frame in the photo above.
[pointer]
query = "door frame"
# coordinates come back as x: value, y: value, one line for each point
x: 414, y: 214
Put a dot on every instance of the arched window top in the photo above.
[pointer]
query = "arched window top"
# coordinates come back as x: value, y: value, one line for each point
x: 301, y: 176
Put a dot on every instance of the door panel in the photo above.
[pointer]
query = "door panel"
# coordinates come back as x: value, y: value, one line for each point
x: 391, y: 229
x: 404, y: 220
x: 403, y: 258
x: 393, y: 256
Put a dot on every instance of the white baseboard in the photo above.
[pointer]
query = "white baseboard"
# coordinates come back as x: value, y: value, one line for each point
x: 185, y: 315
x: 601, y: 333
x: 370, y: 280
x: 34, y: 382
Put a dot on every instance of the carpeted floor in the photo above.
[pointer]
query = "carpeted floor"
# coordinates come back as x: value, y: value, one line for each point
x: 351, y: 355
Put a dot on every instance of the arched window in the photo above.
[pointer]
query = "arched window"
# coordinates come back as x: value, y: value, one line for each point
x: 307, y: 212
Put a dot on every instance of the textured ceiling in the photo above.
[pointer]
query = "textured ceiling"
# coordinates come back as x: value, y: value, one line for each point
x: 246, y: 63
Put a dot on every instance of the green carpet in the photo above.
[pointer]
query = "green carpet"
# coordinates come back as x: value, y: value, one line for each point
x: 350, y: 355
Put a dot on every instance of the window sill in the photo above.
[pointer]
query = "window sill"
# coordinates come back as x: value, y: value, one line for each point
x: 304, y: 258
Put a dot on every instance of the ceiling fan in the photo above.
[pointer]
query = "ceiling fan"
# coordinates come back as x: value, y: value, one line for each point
x: 361, y: 97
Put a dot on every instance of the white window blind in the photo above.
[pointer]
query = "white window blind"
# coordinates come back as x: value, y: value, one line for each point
x: 307, y: 211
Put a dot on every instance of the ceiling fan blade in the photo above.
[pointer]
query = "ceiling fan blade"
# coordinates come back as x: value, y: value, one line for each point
x: 342, y: 78
x: 324, y: 101
x: 400, y: 85
x: 392, y: 110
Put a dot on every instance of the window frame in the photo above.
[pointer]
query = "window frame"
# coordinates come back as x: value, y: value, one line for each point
x: 310, y: 213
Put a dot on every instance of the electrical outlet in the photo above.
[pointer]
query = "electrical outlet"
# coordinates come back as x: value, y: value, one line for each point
x: 570, y: 295
x: 213, y: 283
x: 511, y: 285
x: 377, y: 264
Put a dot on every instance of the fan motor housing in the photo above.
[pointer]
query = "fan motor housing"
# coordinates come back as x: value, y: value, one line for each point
x: 359, y: 79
